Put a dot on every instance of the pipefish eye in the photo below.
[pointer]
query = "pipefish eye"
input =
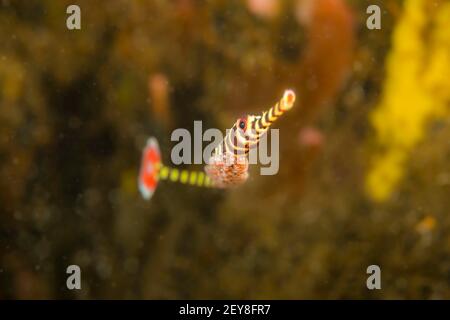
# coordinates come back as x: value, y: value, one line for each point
x: 242, y: 124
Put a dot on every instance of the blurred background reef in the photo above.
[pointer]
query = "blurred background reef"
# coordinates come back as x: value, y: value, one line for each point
x: 364, y: 156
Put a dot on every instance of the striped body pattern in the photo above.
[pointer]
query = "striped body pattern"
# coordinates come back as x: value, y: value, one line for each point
x: 228, y: 165
x: 194, y: 178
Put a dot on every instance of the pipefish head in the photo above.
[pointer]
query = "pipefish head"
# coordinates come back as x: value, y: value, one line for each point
x: 248, y: 129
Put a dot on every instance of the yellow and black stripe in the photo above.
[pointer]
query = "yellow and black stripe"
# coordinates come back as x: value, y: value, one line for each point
x: 194, y: 178
x: 263, y: 122
x: 238, y: 142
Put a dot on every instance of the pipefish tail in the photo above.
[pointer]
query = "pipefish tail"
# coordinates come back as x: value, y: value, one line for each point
x: 153, y: 170
x: 228, y: 165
